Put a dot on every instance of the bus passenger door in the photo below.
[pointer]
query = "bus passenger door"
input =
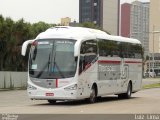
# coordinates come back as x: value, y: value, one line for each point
x: 124, y: 73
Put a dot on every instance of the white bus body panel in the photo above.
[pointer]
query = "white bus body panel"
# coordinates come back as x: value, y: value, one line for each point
x: 91, y: 75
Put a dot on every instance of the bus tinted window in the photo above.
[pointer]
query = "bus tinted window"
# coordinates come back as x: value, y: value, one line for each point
x: 109, y: 48
x: 88, y: 54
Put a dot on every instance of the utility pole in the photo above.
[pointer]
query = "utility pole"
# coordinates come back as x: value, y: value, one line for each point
x: 153, y: 52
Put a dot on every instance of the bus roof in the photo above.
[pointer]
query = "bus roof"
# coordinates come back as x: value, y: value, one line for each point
x: 81, y: 33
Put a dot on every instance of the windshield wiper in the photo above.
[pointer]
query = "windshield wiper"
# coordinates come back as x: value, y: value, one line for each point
x: 49, y: 61
x: 42, y: 71
x: 55, y: 64
x: 59, y: 70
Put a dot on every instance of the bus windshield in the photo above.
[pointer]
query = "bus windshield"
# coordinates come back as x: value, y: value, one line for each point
x: 52, y: 59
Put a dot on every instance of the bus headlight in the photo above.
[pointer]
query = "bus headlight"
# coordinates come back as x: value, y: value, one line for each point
x: 72, y: 87
x: 30, y: 87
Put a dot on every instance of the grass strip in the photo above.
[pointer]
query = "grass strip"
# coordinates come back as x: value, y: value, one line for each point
x: 156, y: 85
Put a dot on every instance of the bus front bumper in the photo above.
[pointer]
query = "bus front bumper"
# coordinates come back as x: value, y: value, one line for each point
x: 53, y: 94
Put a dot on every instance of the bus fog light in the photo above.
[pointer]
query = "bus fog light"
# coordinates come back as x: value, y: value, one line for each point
x: 72, y: 87
x: 30, y: 87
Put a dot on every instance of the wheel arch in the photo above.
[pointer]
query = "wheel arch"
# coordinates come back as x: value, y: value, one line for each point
x: 96, y: 87
x: 130, y: 82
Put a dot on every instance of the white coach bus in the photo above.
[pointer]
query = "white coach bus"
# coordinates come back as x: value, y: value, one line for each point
x: 73, y: 63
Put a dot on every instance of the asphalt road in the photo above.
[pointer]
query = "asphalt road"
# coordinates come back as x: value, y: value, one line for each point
x: 144, y: 101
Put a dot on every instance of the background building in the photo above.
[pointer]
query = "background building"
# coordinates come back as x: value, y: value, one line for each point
x: 150, y: 64
x: 154, y: 26
x: 65, y: 21
x: 140, y: 23
x: 90, y: 11
x: 111, y: 16
x: 125, y: 19
x: 135, y: 22
x: 104, y: 13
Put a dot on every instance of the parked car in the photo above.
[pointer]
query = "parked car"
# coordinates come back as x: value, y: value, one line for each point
x: 150, y: 74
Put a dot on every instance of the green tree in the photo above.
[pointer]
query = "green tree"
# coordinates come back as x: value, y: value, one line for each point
x: 89, y: 25
x: 5, y: 33
x: 92, y: 25
x: 12, y: 36
x: 39, y: 27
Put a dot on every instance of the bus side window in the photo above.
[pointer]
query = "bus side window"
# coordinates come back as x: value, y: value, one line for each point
x: 121, y: 54
x: 81, y: 64
x: 88, y: 54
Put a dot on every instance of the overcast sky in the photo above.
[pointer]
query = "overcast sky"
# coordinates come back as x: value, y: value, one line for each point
x: 50, y: 11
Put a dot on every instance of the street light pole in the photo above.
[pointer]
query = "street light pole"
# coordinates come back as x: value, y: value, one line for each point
x: 153, y: 52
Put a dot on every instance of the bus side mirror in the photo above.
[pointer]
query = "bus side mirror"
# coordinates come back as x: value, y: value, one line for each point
x: 24, y: 46
x: 77, y: 49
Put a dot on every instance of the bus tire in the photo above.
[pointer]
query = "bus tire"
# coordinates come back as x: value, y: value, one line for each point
x: 128, y: 94
x: 129, y: 91
x: 52, y: 101
x: 93, y: 95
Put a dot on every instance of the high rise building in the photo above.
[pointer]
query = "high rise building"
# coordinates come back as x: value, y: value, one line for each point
x: 125, y: 19
x: 140, y: 23
x: 90, y: 11
x: 111, y: 16
x: 135, y: 22
x: 104, y: 13
x: 154, y: 27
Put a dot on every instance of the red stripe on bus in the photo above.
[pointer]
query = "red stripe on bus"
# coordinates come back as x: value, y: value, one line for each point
x: 109, y: 61
x: 132, y: 62
x: 56, y: 83
x: 87, y: 66
x: 116, y: 62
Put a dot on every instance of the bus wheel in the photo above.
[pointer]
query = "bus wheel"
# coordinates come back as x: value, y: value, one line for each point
x: 52, y: 101
x: 128, y: 94
x: 129, y: 91
x: 92, y: 98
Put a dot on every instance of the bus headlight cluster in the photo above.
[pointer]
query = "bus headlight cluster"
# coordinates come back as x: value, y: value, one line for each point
x: 30, y: 87
x: 72, y: 87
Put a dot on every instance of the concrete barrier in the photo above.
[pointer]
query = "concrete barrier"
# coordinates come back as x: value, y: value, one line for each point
x: 12, y: 80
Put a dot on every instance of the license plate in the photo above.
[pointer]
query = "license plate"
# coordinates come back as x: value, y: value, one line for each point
x: 49, y: 94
